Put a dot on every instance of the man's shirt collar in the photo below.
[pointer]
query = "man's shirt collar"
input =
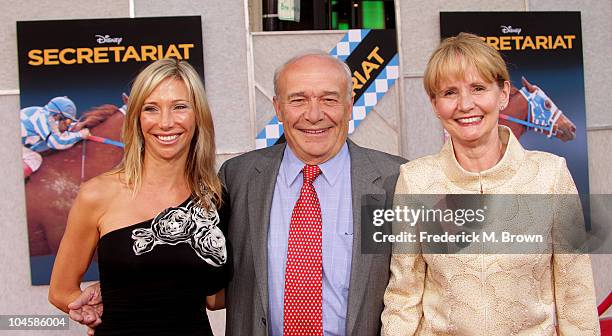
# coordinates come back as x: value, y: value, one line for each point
x: 291, y: 167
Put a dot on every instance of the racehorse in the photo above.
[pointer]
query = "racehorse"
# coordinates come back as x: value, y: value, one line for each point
x: 52, y: 189
x: 530, y: 108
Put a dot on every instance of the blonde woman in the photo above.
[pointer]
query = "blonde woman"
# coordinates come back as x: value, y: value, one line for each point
x: 161, y: 240
x: 475, y: 294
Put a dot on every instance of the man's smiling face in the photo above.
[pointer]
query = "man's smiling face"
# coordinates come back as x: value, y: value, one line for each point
x: 315, y: 107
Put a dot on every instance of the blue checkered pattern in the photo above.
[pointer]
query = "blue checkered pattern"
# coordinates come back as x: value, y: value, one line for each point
x: 374, y: 93
x: 274, y: 129
x: 349, y: 42
x: 269, y: 134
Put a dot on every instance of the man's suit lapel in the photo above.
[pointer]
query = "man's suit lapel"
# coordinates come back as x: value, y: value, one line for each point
x: 365, y: 182
x: 259, y: 193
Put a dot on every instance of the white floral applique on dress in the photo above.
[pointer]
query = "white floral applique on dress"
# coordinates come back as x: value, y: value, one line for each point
x: 191, y: 224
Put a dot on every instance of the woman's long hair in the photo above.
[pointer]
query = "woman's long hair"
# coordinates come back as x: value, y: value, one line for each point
x: 200, y: 166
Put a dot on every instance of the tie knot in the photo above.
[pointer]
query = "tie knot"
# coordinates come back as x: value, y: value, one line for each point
x: 310, y: 173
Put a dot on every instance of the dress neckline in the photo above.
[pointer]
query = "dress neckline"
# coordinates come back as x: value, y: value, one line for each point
x: 182, y: 204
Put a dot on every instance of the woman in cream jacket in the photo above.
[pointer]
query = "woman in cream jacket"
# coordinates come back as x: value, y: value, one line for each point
x: 484, y: 294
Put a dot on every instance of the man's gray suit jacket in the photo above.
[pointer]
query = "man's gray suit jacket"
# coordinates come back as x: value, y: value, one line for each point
x: 249, y: 180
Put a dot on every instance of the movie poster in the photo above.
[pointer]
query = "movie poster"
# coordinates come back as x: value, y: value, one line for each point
x: 76, y: 72
x: 544, y: 48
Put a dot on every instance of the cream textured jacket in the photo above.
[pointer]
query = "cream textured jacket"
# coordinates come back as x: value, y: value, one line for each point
x: 489, y: 294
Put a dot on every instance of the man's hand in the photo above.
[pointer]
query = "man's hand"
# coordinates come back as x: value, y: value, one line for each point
x: 87, y: 308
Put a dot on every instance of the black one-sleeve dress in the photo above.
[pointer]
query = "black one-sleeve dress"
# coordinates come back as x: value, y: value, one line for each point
x: 155, y: 275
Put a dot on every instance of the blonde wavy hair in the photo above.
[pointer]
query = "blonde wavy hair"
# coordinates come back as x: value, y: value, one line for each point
x: 200, y: 167
x: 458, y: 53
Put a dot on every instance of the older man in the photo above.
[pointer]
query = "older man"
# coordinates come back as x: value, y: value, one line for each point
x: 296, y: 209
x: 295, y: 224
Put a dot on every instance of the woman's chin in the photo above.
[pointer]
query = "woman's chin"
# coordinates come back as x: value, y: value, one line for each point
x: 467, y: 136
x: 470, y: 134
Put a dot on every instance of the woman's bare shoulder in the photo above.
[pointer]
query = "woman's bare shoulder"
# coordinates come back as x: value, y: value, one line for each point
x: 100, y: 190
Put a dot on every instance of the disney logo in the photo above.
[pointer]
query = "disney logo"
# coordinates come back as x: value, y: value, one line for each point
x: 102, y: 39
x: 510, y: 30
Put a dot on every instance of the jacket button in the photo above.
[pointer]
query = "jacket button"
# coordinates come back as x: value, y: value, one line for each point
x: 263, y: 320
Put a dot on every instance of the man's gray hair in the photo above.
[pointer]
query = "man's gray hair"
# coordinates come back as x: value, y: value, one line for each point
x: 345, y: 69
